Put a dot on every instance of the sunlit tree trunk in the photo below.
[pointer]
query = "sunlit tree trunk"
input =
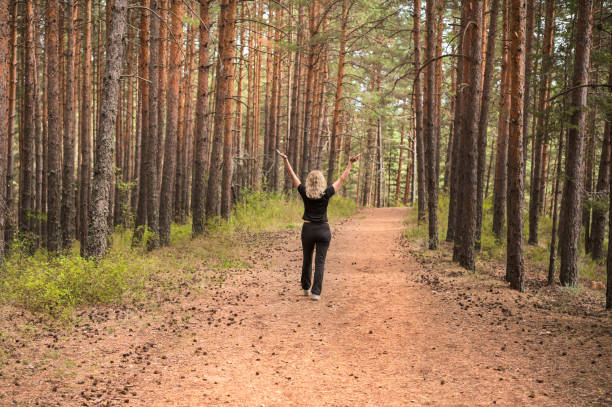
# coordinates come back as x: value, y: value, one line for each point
x: 27, y: 198
x: 169, y: 167
x: 164, y: 41
x: 53, y: 126
x: 85, y: 128
x: 200, y: 157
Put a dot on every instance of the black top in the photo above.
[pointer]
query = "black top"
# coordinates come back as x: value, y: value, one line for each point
x: 315, y: 210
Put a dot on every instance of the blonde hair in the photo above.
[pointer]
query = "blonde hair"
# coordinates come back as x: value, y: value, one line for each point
x: 315, y: 184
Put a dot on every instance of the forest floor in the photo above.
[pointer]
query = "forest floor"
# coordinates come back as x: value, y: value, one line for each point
x: 393, y: 328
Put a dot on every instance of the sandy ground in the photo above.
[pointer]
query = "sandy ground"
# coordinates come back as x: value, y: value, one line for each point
x: 380, y: 336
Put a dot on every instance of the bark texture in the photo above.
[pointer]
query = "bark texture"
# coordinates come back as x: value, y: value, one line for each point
x: 483, y: 122
x: 27, y: 192
x: 5, y: 68
x: 98, y: 231
x: 418, y: 112
x: 515, y: 267
x: 501, y: 158
x: 466, y: 215
x: 169, y: 168
x: 569, y: 229
x: 68, y: 212
x: 431, y: 133
x: 200, y: 157
x: 54, y: 185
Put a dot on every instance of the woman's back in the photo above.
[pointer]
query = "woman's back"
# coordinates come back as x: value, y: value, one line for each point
x: 315, y: 210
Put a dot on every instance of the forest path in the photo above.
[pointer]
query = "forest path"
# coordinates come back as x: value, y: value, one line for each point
x: 375, y: 338
x: 385, y: 333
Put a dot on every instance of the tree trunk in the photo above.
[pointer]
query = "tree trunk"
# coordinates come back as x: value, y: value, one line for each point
x: 226, y: 55
x: 569, y: 229
x: 336, y: 128
x: 515, y: 267
x: 5, y: 121
x: 398, y: 180
x: 367, y: 160
x: 529, y: 37
x: 268, y: 95
x: 150, y: 160
x: 294, y: 129
x: 27, y: 197
x: 553, y: 237
x: 309, y: 94
x: 483, y: 122
x: 53, y: 126
x: 458, y: 110
x: 598, y: 229
x: 85, y: 131
x: 466, y: 219
x: 430, y: 133
x: 222, y: 133
x: 169, y: 168
x: 9, y: 218
x: 501, y: 159
x: 162, y: 84
x: 200, y: 156
x: 98, y: 231
x: 540, y: 136
x: 68, y: 211
x: 183, y: 202
x: 609, y: 257
x: 143, y: 94
x: 418, y: 112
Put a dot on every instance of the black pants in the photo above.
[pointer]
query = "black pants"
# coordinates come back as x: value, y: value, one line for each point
x: 314, y: 235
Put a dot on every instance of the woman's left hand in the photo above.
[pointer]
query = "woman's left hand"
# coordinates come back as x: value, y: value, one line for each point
x: 284, y: 156
x: 355, y: 158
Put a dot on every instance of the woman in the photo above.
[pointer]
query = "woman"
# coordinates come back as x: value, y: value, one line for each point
x: 315, y: 231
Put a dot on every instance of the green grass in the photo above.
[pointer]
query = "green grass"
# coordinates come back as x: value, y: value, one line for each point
x: 56, y: 286
x: 493, y: 249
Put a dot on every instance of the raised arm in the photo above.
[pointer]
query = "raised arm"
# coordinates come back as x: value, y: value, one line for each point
x: 338, y: 184
x: 296, y: 180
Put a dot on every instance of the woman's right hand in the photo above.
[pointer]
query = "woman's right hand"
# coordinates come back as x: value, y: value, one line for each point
x: 284, y: 156
x: 355, y: 158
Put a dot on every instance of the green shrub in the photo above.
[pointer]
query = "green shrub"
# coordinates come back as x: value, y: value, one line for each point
x: 56, y: 285
x: 495, y: 249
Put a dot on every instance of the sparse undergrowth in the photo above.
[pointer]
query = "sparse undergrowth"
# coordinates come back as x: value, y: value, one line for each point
x: 492, y: 256
x: 55, y: 286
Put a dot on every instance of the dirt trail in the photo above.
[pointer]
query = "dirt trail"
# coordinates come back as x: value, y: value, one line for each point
x: 376, y: 338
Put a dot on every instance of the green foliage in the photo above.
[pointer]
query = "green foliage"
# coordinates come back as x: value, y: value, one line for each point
x: 55, y: 286
x: 493, y: 249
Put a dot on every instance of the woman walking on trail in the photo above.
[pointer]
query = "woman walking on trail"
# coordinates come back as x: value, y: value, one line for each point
x: 315, y: 231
